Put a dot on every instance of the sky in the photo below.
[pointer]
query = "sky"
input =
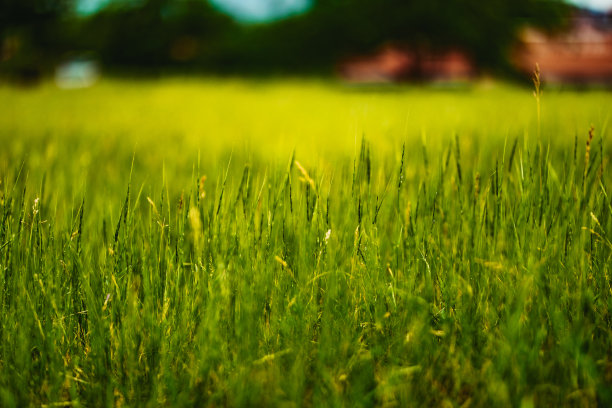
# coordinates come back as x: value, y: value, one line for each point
x: 243, y: 10
x: 261, y: 10
x: 267, y: 10
x: 603, y: 5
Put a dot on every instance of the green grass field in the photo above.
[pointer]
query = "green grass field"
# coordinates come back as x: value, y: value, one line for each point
x: 192, y: 242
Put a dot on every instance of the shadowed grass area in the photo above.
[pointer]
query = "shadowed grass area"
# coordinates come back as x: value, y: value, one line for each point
x: 189, y: 243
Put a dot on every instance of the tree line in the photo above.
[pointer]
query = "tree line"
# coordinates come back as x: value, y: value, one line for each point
x: 193, y: 36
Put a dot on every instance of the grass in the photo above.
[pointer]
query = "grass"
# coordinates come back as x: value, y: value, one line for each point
x: 195, y: 243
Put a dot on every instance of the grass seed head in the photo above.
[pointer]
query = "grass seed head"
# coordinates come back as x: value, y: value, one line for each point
x: 201, y: 187
x: 306, y: 177
x: 587, y: 152
x: 407, y: 212
x: 537, y: 81
x: 35, y: 206
x: 280, y: 261
x: 181, y: 201
x: 196, y: 226
x: 153, y: 206
x: 537, y: 93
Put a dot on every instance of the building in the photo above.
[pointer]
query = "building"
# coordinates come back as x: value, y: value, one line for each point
x: 582, y: 53
x: 392, y: 63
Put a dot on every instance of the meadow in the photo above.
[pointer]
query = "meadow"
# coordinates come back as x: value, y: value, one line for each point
x: 203, y: 242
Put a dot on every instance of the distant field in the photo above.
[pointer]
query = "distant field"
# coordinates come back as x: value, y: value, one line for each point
x: 192, y: 242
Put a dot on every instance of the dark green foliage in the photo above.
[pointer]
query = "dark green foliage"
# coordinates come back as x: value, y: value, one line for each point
x: 192, y: 36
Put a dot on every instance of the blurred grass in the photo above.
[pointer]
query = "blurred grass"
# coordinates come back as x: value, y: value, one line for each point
x: 177, y: 117
x: 348, y: 246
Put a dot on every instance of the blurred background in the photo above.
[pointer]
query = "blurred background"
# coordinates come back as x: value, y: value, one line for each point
x: 359, y: 41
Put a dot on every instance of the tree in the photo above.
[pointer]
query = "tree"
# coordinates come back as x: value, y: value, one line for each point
x: 30, y: 34
x: 484, y: 29
x: 156, y: 33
